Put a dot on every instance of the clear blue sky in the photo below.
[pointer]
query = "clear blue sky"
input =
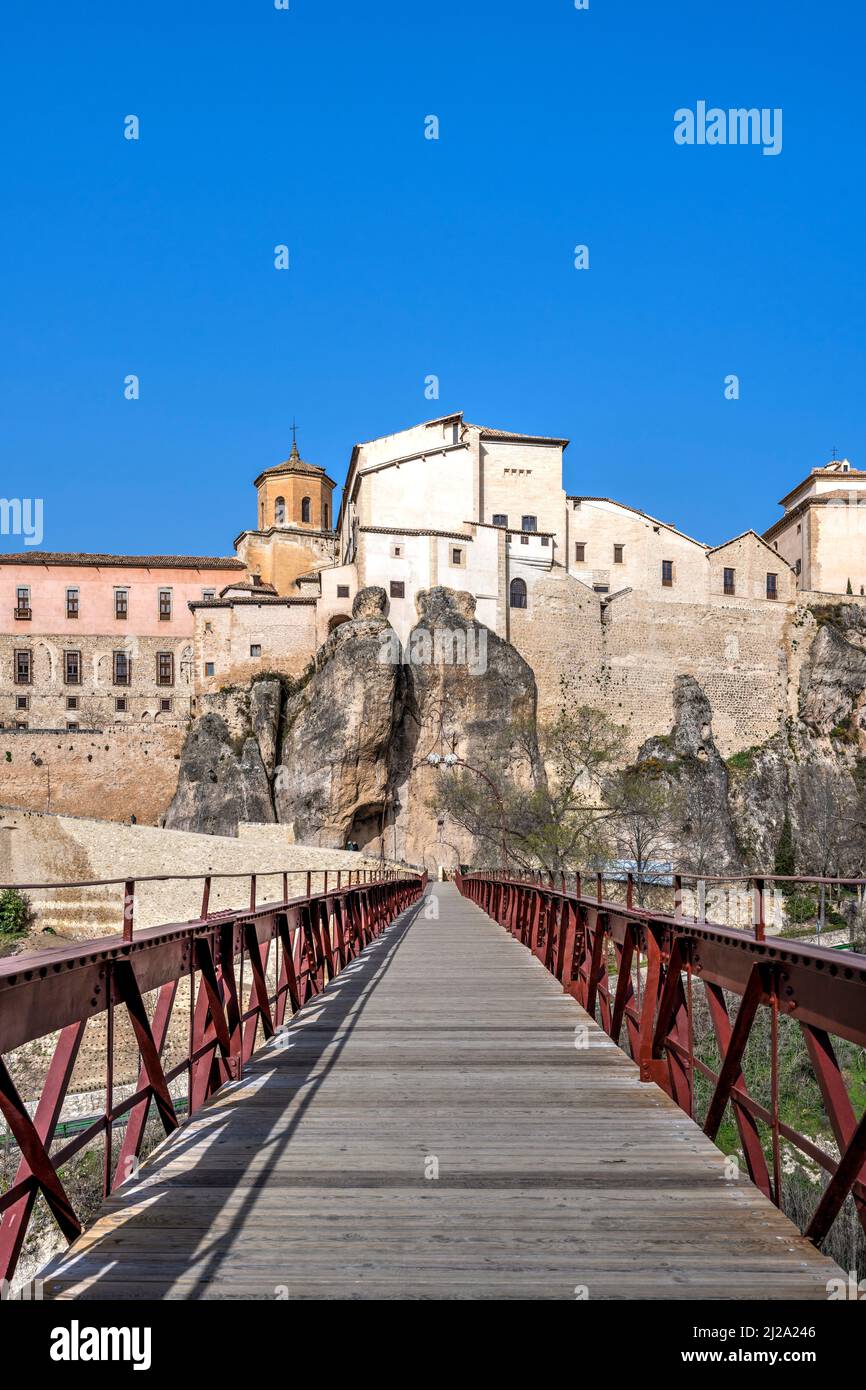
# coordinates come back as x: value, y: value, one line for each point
x: 411, y: 257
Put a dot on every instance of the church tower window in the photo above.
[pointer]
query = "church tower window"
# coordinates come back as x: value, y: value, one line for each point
x: 280, y: 511
x: 306, y: 510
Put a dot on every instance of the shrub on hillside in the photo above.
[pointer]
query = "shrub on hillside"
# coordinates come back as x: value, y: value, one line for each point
x: 16, y: 914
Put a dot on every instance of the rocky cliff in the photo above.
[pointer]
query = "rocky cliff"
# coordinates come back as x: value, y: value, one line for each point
x: 341, y: 754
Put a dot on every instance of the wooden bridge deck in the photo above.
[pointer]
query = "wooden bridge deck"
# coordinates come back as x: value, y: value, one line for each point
x: 445, y: 1043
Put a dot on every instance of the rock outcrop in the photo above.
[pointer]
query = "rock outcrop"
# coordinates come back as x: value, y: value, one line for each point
x: 832, y: 681
x: 221, y: 781
x: 332, y: 779
x: 266, y: 699
x: 698, y: 780
x: 341, y: 754
x: 466, y: 691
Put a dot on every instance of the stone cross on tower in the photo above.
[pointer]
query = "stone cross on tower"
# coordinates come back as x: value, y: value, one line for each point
x: 294, y: 453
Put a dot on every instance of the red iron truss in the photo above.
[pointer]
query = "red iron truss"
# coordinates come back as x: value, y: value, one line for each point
x: 635, y: 972
x: 299, y: 943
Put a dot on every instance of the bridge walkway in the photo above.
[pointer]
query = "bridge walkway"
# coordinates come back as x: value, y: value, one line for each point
x: 428, y: 1128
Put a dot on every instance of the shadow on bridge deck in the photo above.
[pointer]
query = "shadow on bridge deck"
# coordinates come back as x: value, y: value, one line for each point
x: 428, y: 1128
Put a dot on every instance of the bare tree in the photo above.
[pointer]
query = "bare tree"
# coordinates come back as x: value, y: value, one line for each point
x: 645, y: 811
x: 556, y: 818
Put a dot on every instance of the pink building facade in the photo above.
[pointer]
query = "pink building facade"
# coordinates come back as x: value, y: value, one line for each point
x: 93, y: 640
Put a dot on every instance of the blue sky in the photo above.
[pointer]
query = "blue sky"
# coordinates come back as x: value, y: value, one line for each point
x: 411, y: 257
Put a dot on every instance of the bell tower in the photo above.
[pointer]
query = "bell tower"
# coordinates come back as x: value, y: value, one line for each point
x: 295, y: 494
x: 294, y: 532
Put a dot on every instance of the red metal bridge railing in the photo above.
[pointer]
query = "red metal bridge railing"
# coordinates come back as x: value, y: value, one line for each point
x: 57, y: 991
x: 635, y: 971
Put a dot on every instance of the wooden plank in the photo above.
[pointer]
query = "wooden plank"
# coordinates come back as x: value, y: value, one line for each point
x: 444, y: 1047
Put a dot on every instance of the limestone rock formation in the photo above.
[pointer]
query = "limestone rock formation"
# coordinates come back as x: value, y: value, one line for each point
x: 341, y: 755
x: 466, y: 690
x: 337, y: 728
x: 221, y: 781
x: 266, y: 698
x: 832, y: 681
x: 698, y: 778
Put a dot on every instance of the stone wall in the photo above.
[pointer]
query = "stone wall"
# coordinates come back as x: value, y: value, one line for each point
x: 226, y: 634
x: 122, y: 771
x: 623, y: 658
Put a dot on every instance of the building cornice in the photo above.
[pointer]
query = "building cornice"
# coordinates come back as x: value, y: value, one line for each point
x: 827, y: 499
x: 142, y: 562
x: 265, y: 601
x: 293, y: 531
x: 416, y: 531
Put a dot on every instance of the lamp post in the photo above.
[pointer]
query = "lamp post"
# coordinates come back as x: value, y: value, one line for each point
x: 452, y: 760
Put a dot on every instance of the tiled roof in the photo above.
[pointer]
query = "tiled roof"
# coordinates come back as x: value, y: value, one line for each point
x: 487, y: 433
x: 270, y: 600
x: 414, y: 531
x: 237, y: 585
x: 179, y: 562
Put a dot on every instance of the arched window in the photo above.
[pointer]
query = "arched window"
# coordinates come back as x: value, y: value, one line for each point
x: 517, y: 593
x: 306, y: 510
x: 280, y: 511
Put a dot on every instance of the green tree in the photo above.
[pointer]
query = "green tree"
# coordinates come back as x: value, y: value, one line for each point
x: 16, y: 914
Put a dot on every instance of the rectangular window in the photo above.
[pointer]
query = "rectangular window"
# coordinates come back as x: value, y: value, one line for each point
x: 23, y: 668
x: 121, y: 603
x: 71, y: 725
x: 72, y: 603
x: 456, y: 555
x: 22, y: 701
x: 120, y: 704
x: 618, y: 554
x: 524, y: 540
x: 545, y: 540
x: 342, y: 591
x: 580, y: 552
x: 122, y: 668
x: 667, y: 573
x: 165, y: 705
x: 72, y: 702
x: 22, y: 602
x: 398, y: 588
x: 208, y: 594
x: 72, y: 668
x: 500, y: 518
x: 529, y: 523
x: 165, y: 668
x: 20, y: 724
x: 772, y: 586
x: 396, y: 552
x: 729, y: 585
x: 208, y: 668
x: 255, y: 649
x: 601, y: 588
x: 165, y: 605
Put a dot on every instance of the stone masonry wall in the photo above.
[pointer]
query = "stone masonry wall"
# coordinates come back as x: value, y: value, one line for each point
x: 624, y: 659
x: 122, y: 771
